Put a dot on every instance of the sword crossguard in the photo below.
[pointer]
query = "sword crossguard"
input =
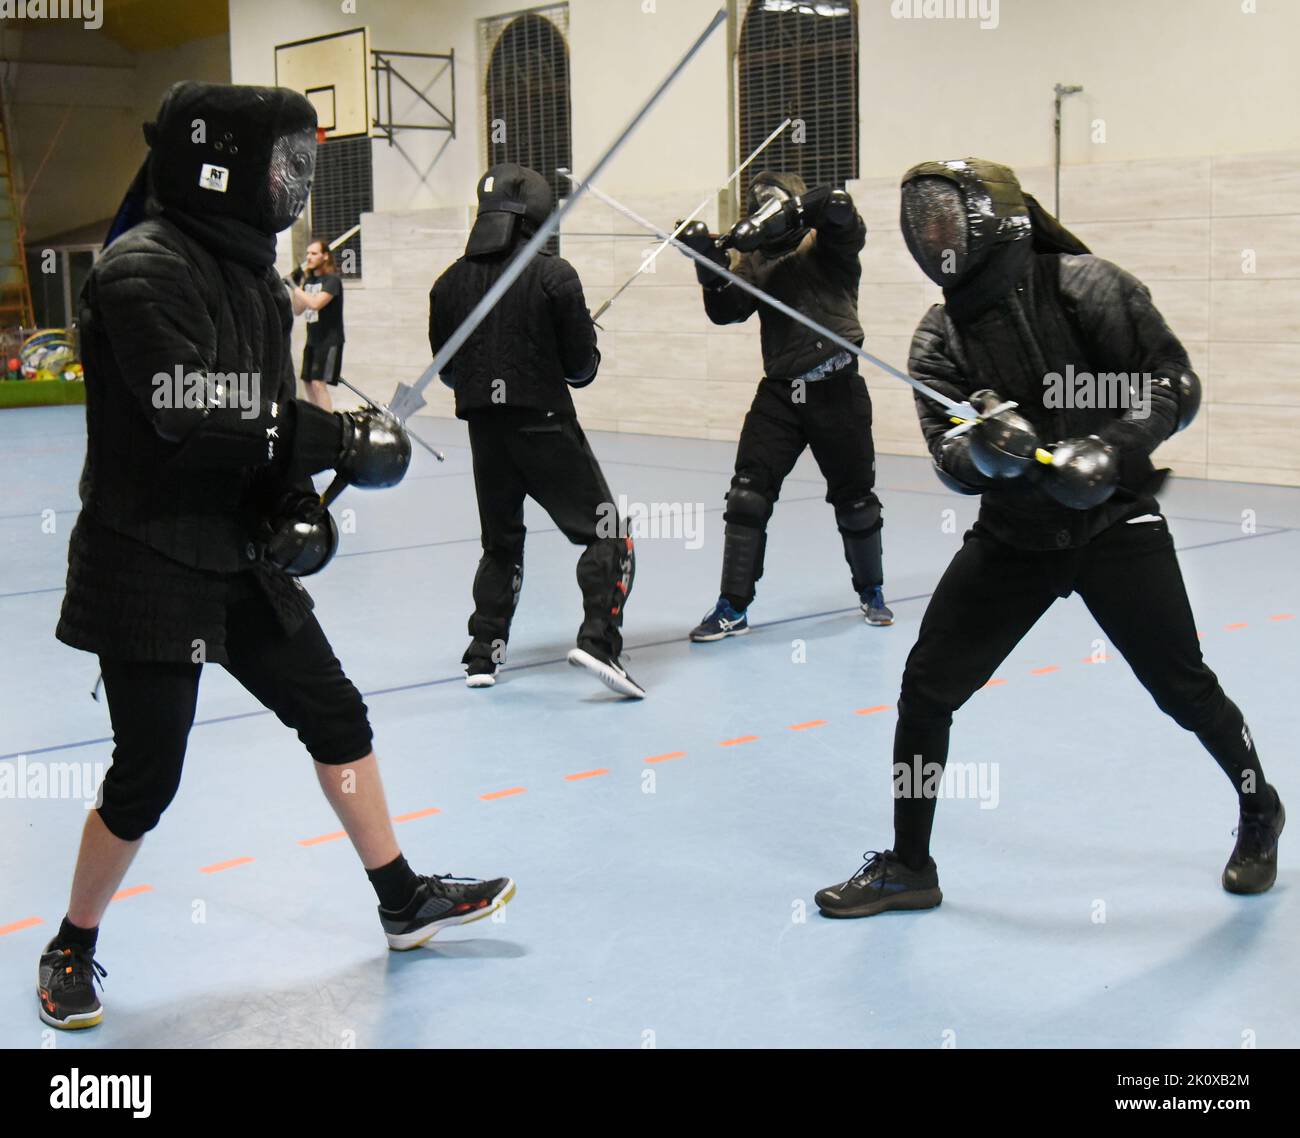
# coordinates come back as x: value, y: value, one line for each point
x: 964, y: 425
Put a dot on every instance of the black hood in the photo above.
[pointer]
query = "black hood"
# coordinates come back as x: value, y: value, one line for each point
x: 247, y: 153
x: 513, y: 201
x: 791, y: 186
x: 955, y: 214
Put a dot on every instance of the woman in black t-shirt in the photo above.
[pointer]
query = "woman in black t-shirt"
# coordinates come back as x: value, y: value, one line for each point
x: 320, y: 296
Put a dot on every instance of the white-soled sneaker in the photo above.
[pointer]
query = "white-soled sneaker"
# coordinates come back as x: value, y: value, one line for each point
x: 608, y: 669
x: 875, y: 609
x: 480, y: 674
x: 442, y: 901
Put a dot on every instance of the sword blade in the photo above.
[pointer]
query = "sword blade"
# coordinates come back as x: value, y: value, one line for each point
x: 405, y: 403
x: 958, y: 409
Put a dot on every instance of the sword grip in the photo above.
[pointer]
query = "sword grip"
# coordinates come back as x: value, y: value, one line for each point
x: 332, y: 491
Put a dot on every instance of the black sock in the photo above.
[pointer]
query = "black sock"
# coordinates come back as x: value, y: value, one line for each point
x: 74, y: 936
x: 395, y: 883
x: 920, y: 746
x: 1264, y: 803
x: 1233, y: 748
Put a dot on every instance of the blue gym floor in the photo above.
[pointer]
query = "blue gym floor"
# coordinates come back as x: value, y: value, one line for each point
x: 666, y: 899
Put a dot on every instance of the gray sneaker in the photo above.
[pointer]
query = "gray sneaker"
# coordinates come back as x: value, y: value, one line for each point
x: 874, y: 607
x: 883, y: 883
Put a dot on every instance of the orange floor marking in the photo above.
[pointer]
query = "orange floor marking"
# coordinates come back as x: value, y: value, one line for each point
x: 1283, y: 616
x: 806, y: 726
x: 219, y: 866
x: 414, y: 814
x: 334, y: 837
x: 503, y: 793
x: 134, y: 891
x: 18, y: 926
x: 872, y: 710
x: 1045, y: 671
x: 1095, y: 660
x: 586, y: 774
x: 665, y: 758
x: 736, y: 741
x: 1234, y: 627
x: 994, y: 683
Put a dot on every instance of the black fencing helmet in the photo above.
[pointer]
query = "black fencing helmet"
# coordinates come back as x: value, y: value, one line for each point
x: 233, y: 151
x: 512, y: 201
x: 955, y: 213
x: 782, y: 187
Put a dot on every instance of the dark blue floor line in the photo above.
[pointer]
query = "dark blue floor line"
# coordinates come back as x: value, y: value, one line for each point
x: 562, y: 659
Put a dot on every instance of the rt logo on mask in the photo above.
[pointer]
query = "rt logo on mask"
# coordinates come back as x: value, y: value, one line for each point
x: 214, y: 178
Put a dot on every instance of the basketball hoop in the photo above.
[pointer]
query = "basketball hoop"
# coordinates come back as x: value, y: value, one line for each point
x: 320, y: 134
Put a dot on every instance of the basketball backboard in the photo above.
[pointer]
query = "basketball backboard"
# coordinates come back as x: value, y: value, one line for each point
x: 333, y: 71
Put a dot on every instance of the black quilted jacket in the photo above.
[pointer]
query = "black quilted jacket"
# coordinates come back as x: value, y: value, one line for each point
x: 165, y: 526
x: 1066, y: 311
x: 520, y: 356
x: 819, y: 278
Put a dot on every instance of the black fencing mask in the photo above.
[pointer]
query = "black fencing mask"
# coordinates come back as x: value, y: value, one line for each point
x: 768, y: 193
x: 233, y: 151
x: 961, y: 215
x: 934, y: 227
x: 513, y: 201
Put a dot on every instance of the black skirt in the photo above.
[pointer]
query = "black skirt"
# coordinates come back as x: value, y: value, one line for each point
x: 126, y: 600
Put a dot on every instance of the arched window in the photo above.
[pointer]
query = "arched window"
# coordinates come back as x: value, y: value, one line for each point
x: 526, y: 92
x: 799, y: 59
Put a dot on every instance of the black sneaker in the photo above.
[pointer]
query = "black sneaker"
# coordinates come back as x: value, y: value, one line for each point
x: 608, y: 669
x: 883, y: 883
x: 442, y: 901
x: 1253, y: 865
x: 65, y: 987
x: 480, y: 673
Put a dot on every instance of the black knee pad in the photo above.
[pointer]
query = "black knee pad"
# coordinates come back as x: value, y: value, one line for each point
x: 746, y: 507
x: 859, y: 524
x: 859, y: 519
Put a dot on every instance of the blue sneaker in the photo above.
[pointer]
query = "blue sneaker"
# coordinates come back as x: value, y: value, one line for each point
x: 722, y: 622
x: 874, y: 607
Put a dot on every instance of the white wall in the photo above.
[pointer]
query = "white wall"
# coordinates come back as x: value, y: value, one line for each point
x: 1167, y: 78
x: 617, y: 53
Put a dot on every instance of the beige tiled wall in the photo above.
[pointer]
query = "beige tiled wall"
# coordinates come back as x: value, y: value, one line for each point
x: 1217, y: 240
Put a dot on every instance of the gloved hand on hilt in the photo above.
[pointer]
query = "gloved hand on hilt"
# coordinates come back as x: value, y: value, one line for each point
x: 376, y: 450
x: 300, y: 535
x: 1078, y: 473
x: 696, y: 236
x: 1003, y: 444
x: 368, y: 447
x: 781, y: 217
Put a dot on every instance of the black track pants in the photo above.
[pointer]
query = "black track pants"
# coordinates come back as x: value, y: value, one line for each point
x: 992, y: 594
x: 548, y: 459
